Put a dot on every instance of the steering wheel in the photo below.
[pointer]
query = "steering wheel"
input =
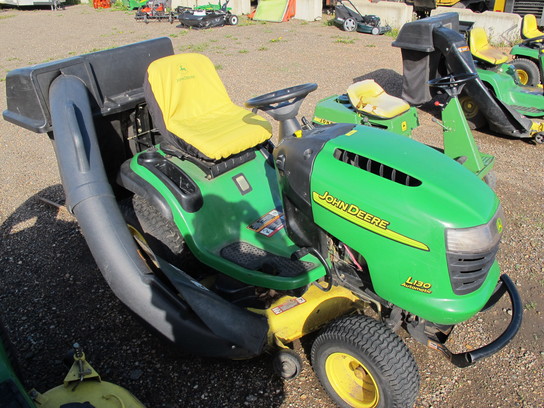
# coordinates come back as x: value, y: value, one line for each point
x: 453, y: 80
x: 298, y: 91
x: 534, y: 39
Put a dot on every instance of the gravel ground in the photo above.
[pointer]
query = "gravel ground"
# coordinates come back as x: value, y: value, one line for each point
x: 52, y: 293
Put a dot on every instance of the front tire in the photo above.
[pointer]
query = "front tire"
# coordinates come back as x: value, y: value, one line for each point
x: 361, y: 363
x: 527, y: 71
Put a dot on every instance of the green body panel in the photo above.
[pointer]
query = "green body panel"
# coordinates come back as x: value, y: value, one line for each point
x: 448, y: 192
x: 528, y: 101
x: 7, y: 374
x: 225, y: 216
x: 134, y: 4
x: 338, y: 109
x: 526, y: 52
x: 458, y: 140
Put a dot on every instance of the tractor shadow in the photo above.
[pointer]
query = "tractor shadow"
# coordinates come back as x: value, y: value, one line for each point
x: 53, y: 295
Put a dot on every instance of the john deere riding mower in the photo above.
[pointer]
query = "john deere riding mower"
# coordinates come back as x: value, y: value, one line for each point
x: 236, y: 246
x: 529, y: 54
x: 433, y: 48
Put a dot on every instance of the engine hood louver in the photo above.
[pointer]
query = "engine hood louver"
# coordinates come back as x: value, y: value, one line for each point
x: 376, y: 168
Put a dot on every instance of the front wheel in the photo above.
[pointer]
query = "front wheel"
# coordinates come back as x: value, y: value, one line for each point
x: 527, y: 70
x: 363, y: 364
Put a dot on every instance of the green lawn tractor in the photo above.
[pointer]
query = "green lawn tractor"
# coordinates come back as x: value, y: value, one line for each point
x: 433, y: 47
x: 367, y: 103
x: 82, y: 387
x: 529, y: 54
x: 232, y: 246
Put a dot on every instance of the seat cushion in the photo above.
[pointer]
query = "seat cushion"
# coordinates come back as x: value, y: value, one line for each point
x: 482, y: 50
x: 187, y: 100
x: 368, y: 97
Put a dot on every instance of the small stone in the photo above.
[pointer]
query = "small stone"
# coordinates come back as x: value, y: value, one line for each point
x: 136, y: 374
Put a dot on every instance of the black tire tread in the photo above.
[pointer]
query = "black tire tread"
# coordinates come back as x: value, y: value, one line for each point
x: 530, y: 68
x: 161, y: 234
x: 383, y: 347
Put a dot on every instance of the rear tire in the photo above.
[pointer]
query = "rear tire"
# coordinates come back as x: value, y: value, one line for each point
x: 349, y: 24
x: 232, y: 20
x: 527, y: 71
x: 154, y: 233
x: 361, y: 363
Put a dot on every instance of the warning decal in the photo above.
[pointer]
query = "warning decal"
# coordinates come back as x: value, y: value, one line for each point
x: 288, y: 305
x: 268, y: 224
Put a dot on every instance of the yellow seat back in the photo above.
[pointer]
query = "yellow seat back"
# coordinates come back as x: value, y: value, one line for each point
x: 370, y: 98
x: 529, y: 27
x: 482, y: 50
x: 188, y: 102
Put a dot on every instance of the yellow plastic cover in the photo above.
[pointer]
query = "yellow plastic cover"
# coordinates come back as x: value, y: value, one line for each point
x: 369, y: 97
x: 481, y: 49
x: 196, y: 107
x: 529, y: 27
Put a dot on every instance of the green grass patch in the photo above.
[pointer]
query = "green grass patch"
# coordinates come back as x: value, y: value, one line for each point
x: 343, y: 40
x: 394, y: 33
x: 7, y: 16
x: 243, y: 51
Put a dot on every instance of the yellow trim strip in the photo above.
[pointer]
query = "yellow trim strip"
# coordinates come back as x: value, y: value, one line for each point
x: 354, y: 214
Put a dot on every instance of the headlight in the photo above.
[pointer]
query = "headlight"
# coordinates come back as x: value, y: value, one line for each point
x: 478, y: 239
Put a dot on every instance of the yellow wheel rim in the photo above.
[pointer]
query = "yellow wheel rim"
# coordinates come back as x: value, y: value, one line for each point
x: 352, y: 381
x: 470, y: 109
x: 523, y: 76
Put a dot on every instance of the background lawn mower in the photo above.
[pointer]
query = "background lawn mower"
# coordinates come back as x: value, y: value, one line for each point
x: 207, y: 16
x: 350, y: 19
x: 231, y: 246
x: 432, y: 47
x: 154, y: 10
x: 529, y: 54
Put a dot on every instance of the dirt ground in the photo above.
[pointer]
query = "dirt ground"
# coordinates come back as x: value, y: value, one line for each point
x: 52, y: 294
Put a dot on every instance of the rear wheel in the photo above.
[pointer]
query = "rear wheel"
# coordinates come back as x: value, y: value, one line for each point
x: 154, y: 233
x: 527, y: 71
x: 233, y: 19
x: 475, y: 118
x: 349, y: 24
x: 361, y: 363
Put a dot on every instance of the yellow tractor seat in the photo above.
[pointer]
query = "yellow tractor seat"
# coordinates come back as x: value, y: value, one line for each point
x: 529, y: 27
x: 191, y: 108
x: 370, y: 98
x: 482, y: 50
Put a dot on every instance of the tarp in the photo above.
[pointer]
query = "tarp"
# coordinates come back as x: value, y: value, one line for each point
x: 274, y: 10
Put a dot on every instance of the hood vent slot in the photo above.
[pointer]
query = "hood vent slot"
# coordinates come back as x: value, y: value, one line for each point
x: 376, y: 168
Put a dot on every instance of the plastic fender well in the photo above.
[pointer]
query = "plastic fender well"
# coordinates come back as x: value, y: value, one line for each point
x: 205, y: 236
x: 177, y: 181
